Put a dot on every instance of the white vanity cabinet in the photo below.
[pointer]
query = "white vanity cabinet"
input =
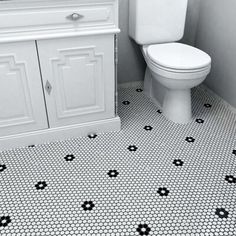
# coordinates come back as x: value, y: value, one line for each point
x: 57, y: 70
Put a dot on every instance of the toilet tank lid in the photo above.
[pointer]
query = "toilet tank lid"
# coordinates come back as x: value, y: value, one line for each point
x: 178, y: 56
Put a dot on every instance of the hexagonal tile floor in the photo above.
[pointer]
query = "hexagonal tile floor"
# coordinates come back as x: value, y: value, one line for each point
x: 152, y: 178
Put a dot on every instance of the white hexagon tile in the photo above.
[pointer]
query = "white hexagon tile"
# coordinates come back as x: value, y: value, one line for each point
x: 152, y: 178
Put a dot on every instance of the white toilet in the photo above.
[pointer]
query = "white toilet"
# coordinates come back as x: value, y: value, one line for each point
x: 172, y: 68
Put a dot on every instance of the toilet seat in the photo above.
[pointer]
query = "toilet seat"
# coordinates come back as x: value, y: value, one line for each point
x: 166, y: 69
x: 177, y: 74
x: 178, y: 58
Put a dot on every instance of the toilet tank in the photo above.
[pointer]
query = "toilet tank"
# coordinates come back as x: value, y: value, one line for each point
x: 157, y: 21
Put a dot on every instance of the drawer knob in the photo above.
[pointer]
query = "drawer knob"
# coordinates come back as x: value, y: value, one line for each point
x: 74, y: 16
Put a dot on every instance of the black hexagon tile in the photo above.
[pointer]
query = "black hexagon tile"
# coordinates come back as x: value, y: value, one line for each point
x: 230, y: 179
x: 132, y: 148
x: 2, y: 168
x: 92, y: 136
x: 31, y: 146
x: 200, y: 121
x: 41, y: 185
x: 88, y: 206
x: 178, y: 162
x: 222, y: 213
x: 148, y: 128
x: 207, y: 105
x: 69, y: 157
x: 4, y: 221
x: 163, y: 191
x: 143, y: 229
x: 113, y: 173
x: 126, y: 103
x: 190, y: 139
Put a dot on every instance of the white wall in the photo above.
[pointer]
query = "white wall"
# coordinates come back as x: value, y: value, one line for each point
x: 191, y: 22
x: 131, y: 66
x: 216, y: 35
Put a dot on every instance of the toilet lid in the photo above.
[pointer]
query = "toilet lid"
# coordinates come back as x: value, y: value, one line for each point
x: 178, y: 56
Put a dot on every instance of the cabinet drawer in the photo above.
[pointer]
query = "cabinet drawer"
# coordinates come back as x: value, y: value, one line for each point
x: 59, y: 17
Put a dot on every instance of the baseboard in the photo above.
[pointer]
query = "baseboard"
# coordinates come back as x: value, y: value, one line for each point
x: 131, y: 84
x: 62, y: 133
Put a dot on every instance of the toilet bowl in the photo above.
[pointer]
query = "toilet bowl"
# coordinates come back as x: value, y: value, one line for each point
x: 178, y: 68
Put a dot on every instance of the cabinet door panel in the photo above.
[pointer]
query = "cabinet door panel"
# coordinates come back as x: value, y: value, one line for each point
x: 22, y: 106
x: 80, y: 72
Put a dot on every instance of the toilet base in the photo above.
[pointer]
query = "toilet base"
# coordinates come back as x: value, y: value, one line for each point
x: 178, y: 100
x: 177, y: 106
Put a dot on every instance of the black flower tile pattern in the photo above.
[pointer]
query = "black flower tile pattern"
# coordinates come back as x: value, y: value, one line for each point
x: 143, y: 229
x: 200, y: 121
x: 119, y: 204
x: 190, y: 139
x: 2, y: 168
x: 178, y: 162
x: 113, y: 173
x: 92, y: 136
x: 148, y: 128
x: 4, y: 221
x: 230, y: 178
x: 163, y: 191
x: 222, y: 213
x: 126, y: 103
x: 132, y: 148
x: 69, y: 157
x: 41, y: 185
x: 88, y: 205
x: 207, y: 105
x: 31, y: 146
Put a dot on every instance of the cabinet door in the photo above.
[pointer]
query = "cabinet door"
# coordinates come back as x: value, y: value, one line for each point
x: 78, y: 76
x: 22, y: 106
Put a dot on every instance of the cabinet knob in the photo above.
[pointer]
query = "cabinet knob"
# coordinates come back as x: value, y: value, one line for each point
x: 48, y: 87
x: 74, y: 16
